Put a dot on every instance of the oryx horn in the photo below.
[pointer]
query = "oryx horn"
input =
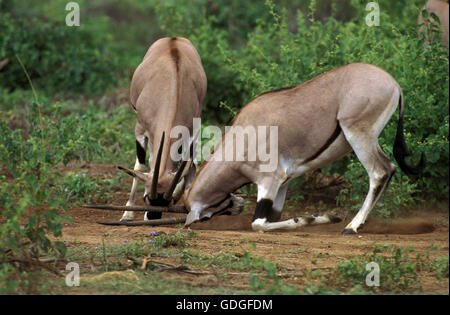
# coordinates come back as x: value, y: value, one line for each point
x: 153, y: 194
x: 155, y: 222
x: 174, y: 209
x: 176, y: 179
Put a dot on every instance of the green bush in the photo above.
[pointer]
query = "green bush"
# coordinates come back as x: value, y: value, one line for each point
x: 80, y: 187
x: 32, y: 192
x: 60, y: 59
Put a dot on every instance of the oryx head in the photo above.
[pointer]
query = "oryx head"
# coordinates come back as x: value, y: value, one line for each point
x: 231, y: 205
x: 211, y: 193
x: 161, y: 187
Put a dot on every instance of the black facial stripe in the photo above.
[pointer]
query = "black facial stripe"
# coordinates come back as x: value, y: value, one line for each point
x: 333, y: 137
x: 140, y: 153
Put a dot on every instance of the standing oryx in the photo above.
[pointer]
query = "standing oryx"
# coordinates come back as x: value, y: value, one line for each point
x: 318, y: 122
x: 167, y: 90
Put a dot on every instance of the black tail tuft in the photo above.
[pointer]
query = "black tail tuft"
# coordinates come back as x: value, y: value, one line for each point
x: 401, y: 150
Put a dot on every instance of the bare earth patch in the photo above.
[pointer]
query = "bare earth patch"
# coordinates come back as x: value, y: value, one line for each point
x: 319, y: 247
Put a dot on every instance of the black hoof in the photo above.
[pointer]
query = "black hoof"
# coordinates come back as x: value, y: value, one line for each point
x: 334, y: 219
x: 348, y: 232
x: 124, y: 221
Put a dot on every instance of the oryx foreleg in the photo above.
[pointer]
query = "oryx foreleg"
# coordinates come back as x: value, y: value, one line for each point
x: 268, y: 210
x: 141, y: 143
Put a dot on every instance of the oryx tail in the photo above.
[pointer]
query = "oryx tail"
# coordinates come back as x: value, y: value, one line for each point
x: 400, y: 148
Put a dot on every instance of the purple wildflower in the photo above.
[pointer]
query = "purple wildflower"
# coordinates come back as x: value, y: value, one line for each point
x: 153, y: 233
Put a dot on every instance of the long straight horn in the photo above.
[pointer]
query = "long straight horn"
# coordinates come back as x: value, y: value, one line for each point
x: 174, y: 183
x: 153, y: 194
x: 176, y: 179
x: 173, y: 209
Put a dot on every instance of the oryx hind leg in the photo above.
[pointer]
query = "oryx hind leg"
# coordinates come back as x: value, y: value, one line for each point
x: 141, y: 144
x: 379, y: 168
x: 362, y: 135
x: 268, y: 211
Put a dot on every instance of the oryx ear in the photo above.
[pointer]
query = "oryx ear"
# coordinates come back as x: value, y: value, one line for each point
x: 136, y: 174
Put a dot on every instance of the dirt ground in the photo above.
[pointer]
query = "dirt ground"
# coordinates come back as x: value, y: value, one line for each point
x: 291, y: 250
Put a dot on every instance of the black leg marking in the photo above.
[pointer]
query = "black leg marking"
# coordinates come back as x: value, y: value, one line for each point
x: 263, y: 209
x: 309, y: 219
x: 273, y: 215
x: 140, y: 153
x: 379, y: 188
x: 334, y: 219
x: 390, y: 178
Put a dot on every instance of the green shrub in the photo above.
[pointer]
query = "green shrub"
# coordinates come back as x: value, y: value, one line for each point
x: 59, y: 58
x: 30, y: 193
x: 271, y: 284
x: 79, y: 188
x: 397, y: 271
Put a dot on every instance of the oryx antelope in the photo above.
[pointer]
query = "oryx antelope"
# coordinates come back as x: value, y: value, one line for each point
x: 167, y: 90
x: 319, y: 121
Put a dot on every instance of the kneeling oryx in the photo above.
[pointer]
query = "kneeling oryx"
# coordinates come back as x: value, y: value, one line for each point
x: 316, y: 122
x: 167, y: 90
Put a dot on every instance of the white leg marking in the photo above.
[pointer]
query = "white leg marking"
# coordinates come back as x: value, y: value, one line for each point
x: 262, y: 192
x: 129, y: 215
x: 291, y: 224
